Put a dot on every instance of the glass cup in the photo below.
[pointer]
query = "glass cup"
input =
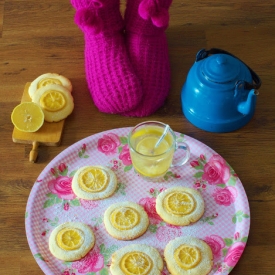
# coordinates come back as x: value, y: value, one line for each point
x: 150, y: 162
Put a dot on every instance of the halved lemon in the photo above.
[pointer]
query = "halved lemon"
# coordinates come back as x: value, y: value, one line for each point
x: 70, y: 238
x: 179, y: 203
x: 136, y: 263
x: 124, y: 218
x: 27, y: 117
x: 49, y: 79
x: 187, y: 256
x: 93, y: 179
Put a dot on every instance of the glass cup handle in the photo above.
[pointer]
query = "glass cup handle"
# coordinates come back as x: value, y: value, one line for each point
x: 182, y: 161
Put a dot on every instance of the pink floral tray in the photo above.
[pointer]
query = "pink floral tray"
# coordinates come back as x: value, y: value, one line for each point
x: 224, y: 225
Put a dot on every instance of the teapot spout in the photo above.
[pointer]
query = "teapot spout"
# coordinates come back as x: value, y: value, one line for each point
x: 247, y: 107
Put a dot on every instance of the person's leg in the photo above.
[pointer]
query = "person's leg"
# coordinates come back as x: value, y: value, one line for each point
x: 111, y: 79
x: 146, y: 21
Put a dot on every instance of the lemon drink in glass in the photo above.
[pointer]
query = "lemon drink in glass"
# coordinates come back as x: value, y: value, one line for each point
x: 148, y: 160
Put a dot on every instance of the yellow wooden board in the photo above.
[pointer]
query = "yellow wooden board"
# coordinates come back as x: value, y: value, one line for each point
x: 48, y: 135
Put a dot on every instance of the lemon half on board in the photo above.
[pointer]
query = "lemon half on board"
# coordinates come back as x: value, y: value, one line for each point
x: 27, y: 117
x: 180, y: 205
x: 94, y: 182
x: 188, y: 255
x: 126, y: 220
x: 71, y: 241
x: 137, y: 259
x: 49, y: 79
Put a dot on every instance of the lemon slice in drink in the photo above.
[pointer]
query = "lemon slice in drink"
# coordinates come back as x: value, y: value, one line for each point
x: 147, y: 144
x: 70, y: 238
x: 124, y: 218
x: 136, y: 263
x: 27, y: 117
x: 179, y: 203
x: 187, y: 256
x: 49, y: 79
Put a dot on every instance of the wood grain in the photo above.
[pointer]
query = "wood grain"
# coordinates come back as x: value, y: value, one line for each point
x: 38, y: 36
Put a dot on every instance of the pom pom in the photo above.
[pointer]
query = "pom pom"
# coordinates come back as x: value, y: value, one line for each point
x: 161, y: 19
x: 146, y: 9
x: 87, y: 18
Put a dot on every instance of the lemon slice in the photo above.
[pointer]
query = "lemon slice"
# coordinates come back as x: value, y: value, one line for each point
x: 124, y: 218
x: 49, y: 79
x: 136, y: 259
x: 187, y: 256
x: 136, y: 263
x: 27, y: 117
x: 55, y: 100
x: 71, y: 241
x: 52, y: 101
x: 179, y: 203
x: 147, y: 144
x: 70, y: 238
x: 93, y: 179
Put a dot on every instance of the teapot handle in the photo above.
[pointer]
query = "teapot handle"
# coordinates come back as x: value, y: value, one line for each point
x: 248, y: 86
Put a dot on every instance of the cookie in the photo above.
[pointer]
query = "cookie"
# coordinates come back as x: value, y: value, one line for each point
x: 94, y: 182
x: 49, y: 78
x: 180, y: 205
x: 136, y: 259
x: 55, y: 100
x: 71, y: 241
x: 126, y: 220
x: 188, y: 256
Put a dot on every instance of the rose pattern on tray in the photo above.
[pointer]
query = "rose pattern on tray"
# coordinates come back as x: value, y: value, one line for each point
x: 208, y: 172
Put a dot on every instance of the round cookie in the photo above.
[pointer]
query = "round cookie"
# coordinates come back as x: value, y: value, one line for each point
x: 94, y: 182
x: 71, y: 241
x: 126, y: 220
x: 48, y: 79
x: 188, y: 256
x: 180, y: 205
x: 136, y: 259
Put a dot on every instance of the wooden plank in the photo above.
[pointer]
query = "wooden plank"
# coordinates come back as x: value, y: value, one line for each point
x: 48, y: 135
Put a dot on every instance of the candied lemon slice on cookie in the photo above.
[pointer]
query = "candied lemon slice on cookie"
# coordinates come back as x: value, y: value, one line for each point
x: 49, y: 79
x: 94, y: 182
x: 136, y: 263
x: 71, y: 241
x: 136, y: 259
x: 55, y: 100
x: 27, y: 117
x: 70, y: 238
x: 180, y: 205
x: 188, y: 255
x: 126, y: 220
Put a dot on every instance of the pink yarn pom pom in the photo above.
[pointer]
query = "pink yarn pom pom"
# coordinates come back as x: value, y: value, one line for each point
x: 146, y: 9
x: 86, y: 18
x: 161, y: 19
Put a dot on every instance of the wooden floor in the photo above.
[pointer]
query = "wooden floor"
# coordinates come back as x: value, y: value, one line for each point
x: 38, y: 36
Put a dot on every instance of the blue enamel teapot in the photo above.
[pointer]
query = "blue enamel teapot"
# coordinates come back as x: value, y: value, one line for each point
x: 220, y: 91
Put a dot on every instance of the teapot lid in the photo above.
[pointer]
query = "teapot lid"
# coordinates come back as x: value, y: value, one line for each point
x: 221, y: 68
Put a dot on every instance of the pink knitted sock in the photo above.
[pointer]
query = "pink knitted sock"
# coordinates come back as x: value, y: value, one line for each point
x: 111, y: 79
x: 146, y: 21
